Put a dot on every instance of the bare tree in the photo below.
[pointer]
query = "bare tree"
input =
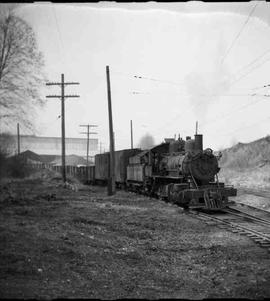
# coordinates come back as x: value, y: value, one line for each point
x: 20, y: 71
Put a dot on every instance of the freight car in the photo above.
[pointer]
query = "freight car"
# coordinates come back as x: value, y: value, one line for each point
x: 85, y: 174
x: 180, y: 172
x: 102, y: 166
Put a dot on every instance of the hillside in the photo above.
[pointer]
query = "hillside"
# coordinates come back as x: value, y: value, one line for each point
x: 247, y: 164
x: 247, y: 155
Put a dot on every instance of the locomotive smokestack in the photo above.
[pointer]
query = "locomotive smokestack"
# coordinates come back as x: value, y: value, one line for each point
x: 198, y: 142
x: 196, y: 131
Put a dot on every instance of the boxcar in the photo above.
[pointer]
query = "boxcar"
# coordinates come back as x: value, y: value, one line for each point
x: 85, y: 174
x: 137, y: 169
x: 102, y: 165
x: 121, y: 163
x: 91, y: 174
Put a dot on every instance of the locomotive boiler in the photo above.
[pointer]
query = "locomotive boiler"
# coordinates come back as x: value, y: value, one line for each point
x: 181, y: 172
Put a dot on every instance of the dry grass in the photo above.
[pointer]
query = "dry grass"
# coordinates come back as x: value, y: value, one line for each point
x: 247, y: 155
x: 247, y: 165
x: 87, y: 245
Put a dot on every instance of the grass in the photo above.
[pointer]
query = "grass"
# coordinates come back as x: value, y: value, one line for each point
x: 90, y: 245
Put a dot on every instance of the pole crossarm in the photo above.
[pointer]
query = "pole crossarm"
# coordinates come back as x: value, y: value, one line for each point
x: 53, y: 96
x: 90, y: 125
x: 59, y: 84
x: 60, y: 96
x: 88, y: 132
x: 71, y: 83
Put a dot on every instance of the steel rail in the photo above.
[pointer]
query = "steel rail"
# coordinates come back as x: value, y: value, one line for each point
x: 239, y: 213
x: 260, y: 238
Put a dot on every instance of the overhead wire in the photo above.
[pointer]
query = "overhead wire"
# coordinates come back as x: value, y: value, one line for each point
x: 239, y: 33
x: 59, y: 37
x: 221, y: 117
x: 239, y: 129
x: 179, y: 115
x: 148, y: 78
x: 261, y: 87
x: 247, y: 73
x: 252, y: 62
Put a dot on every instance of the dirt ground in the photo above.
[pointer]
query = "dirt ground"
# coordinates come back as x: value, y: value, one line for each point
x: 77, y: 242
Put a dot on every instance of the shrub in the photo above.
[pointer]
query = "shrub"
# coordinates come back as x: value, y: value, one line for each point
x: 3, y: 163
x: 18, y: 168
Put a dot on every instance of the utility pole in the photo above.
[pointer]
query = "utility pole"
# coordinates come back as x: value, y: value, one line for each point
x: 100, y: 146
x: 131, y: 133
x: 88, y: 133
x: 62, y: 97
x: 18, y: 137
x: 111, y: 180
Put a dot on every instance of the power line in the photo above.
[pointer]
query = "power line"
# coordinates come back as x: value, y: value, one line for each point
x: 252, y: 62
x: 149, y: 78
x: 239, y: 129
x: 63, y: 56
x: 257, y: 88
x: 247, y: 73
x: 232, y: 111
x: 179, y: 115
x: 238, y: 35
x: 190, y: 94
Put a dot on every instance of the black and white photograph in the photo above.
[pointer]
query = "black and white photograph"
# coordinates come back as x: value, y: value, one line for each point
x: 135, y: 150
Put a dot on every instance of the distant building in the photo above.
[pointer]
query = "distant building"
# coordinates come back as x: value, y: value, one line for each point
x: 52, y: 145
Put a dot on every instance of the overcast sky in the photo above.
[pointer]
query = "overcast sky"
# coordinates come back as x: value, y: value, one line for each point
x: 199, y: 61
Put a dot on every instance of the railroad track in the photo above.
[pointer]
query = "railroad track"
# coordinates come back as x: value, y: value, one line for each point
x: 256, y: 228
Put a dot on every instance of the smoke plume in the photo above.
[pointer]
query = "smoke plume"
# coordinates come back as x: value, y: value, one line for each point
x: 146, y: 142
x: 206, y: 87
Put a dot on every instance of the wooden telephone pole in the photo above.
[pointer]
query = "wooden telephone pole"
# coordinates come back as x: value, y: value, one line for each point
x: 62, y: 97
x: 111, y: 180
x: 131, y: 133
x: 88, y: 133
x: 100, y: 147
x: 18, y: 138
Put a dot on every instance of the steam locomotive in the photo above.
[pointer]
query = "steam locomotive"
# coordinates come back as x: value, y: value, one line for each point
x: 181, y: 172
x: 178, y: 171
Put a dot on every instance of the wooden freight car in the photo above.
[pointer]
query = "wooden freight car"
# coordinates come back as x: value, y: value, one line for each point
x: 121, y: 163
x: 86, y: 174
x: 102, y: 166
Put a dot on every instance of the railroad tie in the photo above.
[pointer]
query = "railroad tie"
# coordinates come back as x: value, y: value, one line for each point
x: 259, y: 240
x: 253, y: 236
x: 265, y: 244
